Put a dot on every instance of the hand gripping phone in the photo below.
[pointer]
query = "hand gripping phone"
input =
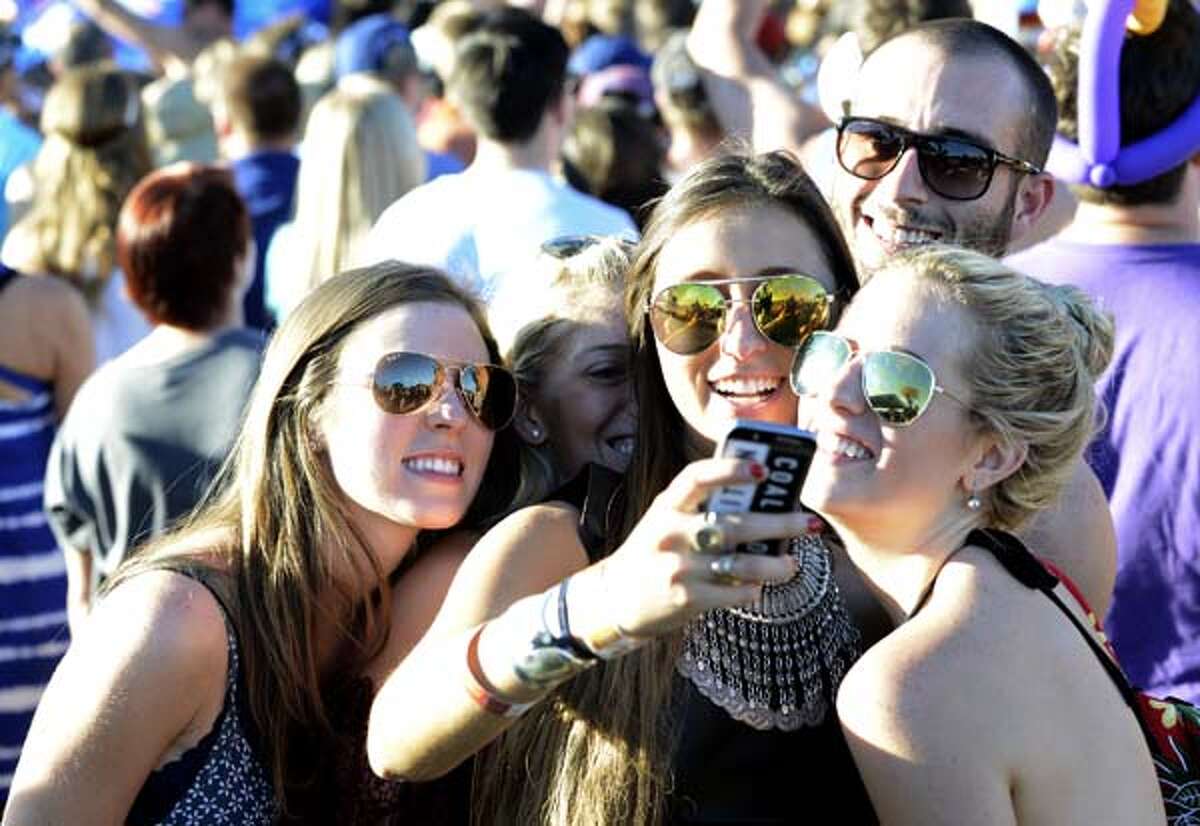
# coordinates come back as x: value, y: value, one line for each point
x: 786, y: 453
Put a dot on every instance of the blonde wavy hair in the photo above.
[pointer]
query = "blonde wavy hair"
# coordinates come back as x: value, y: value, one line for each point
x: 1031, y: 369
x: 533, y: 317
x: 94, y: 152
x: 360, y: 155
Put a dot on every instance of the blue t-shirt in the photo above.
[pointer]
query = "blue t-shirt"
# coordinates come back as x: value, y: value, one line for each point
x: 267, y: 182
x: 1148, y: 454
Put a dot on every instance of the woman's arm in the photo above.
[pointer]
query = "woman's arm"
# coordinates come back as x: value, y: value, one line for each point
x: 424, y: 722
x: 148, y: 670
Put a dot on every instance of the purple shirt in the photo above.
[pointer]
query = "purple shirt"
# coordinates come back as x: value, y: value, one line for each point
x: 1148, y: 454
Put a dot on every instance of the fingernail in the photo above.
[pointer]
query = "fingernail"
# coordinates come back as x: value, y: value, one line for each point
x: 815, y: 524
x: 757, y: 470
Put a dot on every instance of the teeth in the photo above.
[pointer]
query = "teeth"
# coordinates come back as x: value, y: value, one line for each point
x: 430, y: 464
x: 622, y: 445
x: 852, y: 450
x: 747, y: 387
x: 902, y: 236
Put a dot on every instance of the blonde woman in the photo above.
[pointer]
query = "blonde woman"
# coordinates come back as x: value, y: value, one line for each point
x: 957, y: 395
x: 360, y: 154
x: 94, y: 152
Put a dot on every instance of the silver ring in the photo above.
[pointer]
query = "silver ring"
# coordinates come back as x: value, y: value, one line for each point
x: 722, y: 570
x: 709, y: 538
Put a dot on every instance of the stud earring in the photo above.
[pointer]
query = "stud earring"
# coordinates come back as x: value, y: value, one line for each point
x: 535, y: 432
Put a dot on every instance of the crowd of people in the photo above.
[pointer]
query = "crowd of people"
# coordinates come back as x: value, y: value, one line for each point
x: 362, y: 388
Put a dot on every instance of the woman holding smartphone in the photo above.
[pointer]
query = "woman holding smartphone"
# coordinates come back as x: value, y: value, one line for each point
x: 740, y: 262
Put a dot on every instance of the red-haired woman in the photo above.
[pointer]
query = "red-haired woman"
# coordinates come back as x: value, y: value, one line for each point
x: 150, y: 428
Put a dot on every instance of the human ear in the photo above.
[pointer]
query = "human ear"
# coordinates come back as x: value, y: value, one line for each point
x: 1034, y: 194
x: 529, y: 425
x: 996, y: 461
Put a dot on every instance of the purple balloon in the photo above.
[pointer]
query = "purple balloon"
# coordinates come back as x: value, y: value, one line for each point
x: 1098, y: 159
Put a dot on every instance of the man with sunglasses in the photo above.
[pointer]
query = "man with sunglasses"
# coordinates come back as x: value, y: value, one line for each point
x: 1134, y: 245
x: 943, y: 141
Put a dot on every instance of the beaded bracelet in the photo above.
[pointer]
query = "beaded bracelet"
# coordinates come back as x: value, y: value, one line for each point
x: 481, y: 691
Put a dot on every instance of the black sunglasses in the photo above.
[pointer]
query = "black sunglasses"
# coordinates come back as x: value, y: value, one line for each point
x: 955, y: 168
x: 688, y: 317
x: 406, y: 383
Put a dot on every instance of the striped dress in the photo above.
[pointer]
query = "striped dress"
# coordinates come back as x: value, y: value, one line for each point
x: 33, y: 584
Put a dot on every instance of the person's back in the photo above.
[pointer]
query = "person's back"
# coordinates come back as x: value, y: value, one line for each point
x: 45, y: 351
x: 362, y: 129
x: 1135, y: 246
x: 257, y: 115
x: 143, y: 441
x: 482, y: 224
x: 150, y: 429
x: 95, y: 150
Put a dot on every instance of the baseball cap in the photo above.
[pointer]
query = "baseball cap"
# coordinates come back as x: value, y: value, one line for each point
x: 378, y: 43
x: 603, y: 50
x: 621, y: 80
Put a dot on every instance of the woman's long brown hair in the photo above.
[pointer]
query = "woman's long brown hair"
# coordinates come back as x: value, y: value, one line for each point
x: 276, y: 527
x: 598, y: 750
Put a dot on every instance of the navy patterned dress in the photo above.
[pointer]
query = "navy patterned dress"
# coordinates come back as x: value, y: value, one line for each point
x: 33, y: 580
x: 222, y: 780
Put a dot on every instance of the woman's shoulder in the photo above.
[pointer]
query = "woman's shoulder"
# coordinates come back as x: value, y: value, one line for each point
x: 166, y: 613
x: 971, y: 639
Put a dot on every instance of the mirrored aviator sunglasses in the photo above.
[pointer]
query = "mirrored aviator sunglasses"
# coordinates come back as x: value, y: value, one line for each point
x: 898, y: 387
x: 690, y: 316
x: 405, y: 383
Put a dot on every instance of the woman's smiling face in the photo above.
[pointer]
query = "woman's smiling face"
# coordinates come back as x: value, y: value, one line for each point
x: 742, y: 375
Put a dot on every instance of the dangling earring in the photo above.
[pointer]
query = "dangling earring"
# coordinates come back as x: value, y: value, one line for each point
x: 973, y: 503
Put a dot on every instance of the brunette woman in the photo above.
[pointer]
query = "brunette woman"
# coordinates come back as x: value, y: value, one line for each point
x: 206, y: 669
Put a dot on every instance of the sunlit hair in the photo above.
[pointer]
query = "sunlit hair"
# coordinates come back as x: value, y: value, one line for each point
x: 533, y: 318
x: 360, y: 155
x: 276, y: 527
x: 598, y: 750
x: 95, y: 150
x: 1031, y: 368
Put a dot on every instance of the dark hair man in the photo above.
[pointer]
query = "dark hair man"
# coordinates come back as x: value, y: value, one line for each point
x: 509, y: 81
x: 257, y: 118
x: 1135, y: 246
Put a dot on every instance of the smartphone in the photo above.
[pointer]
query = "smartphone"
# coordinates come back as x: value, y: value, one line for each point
x: 786, y: 453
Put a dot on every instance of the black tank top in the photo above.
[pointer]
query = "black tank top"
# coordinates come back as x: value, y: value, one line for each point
x: 726, y: 772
